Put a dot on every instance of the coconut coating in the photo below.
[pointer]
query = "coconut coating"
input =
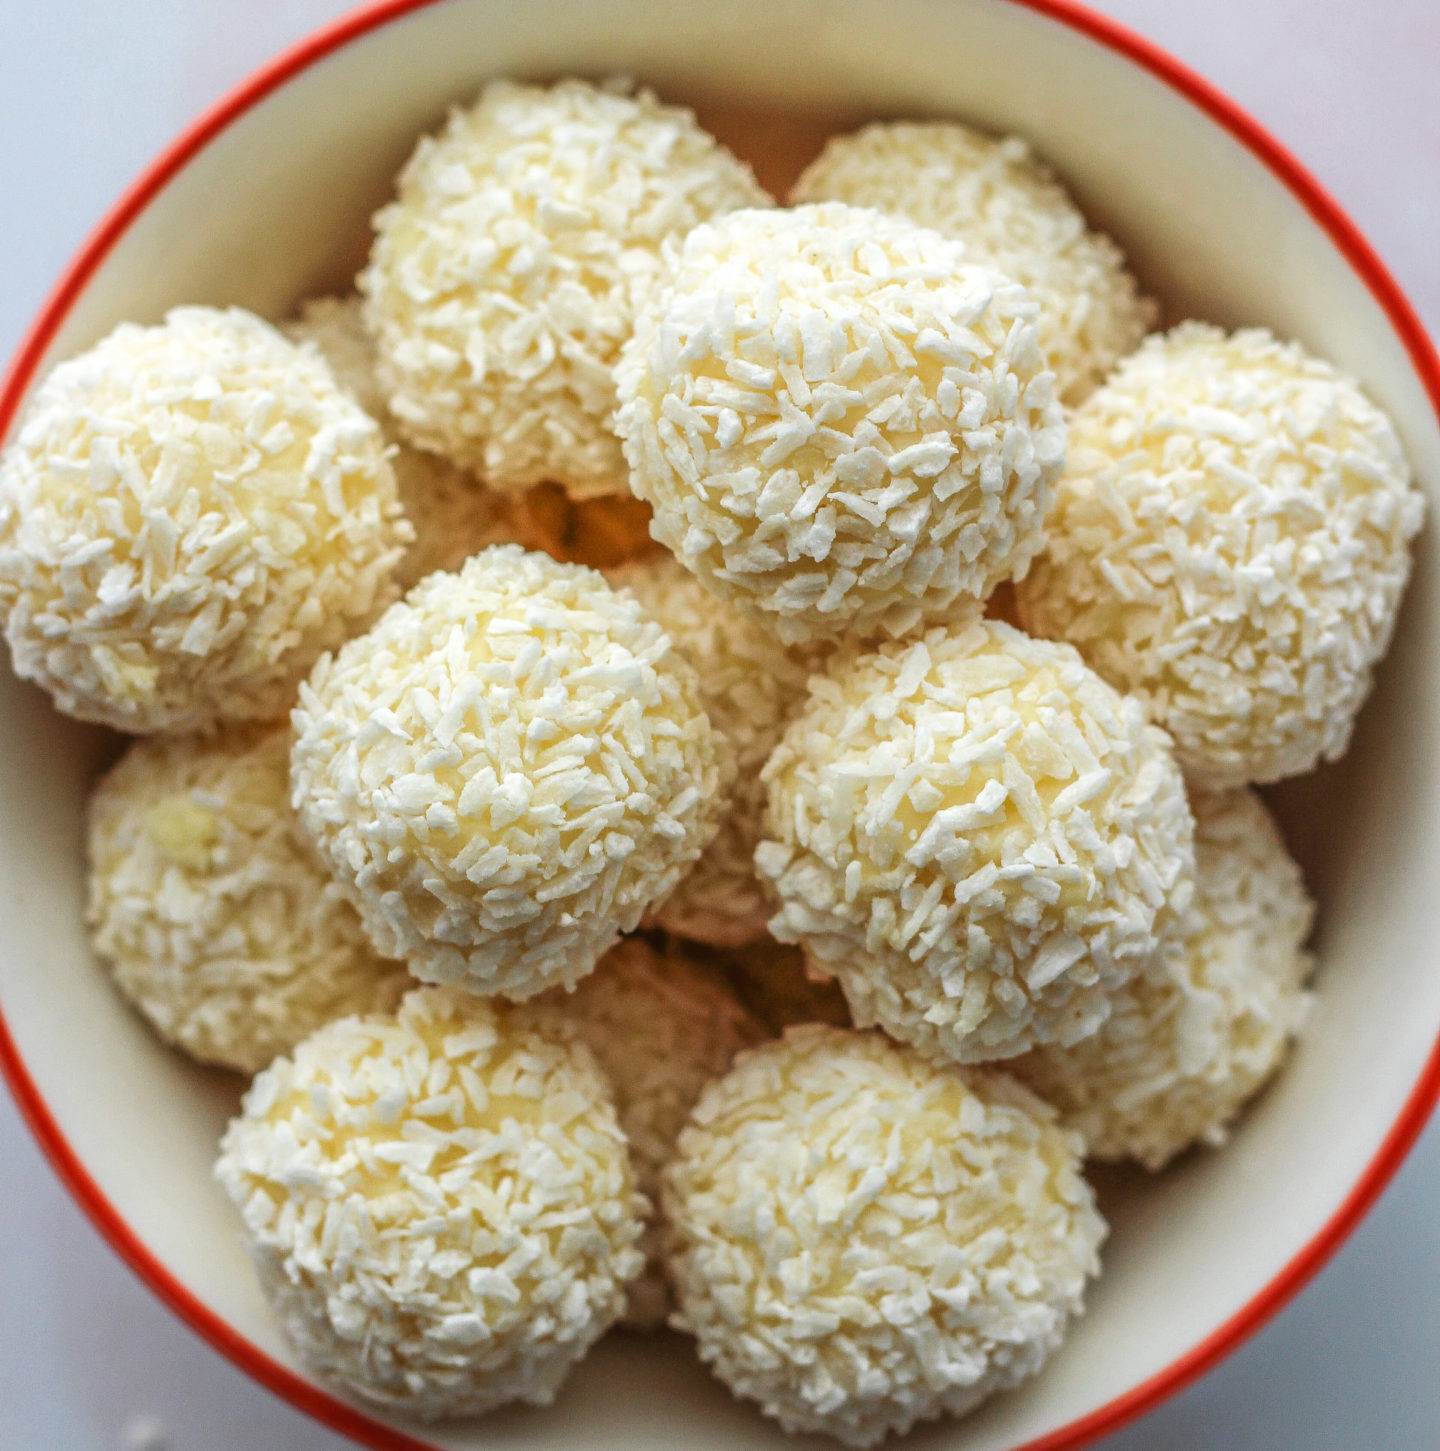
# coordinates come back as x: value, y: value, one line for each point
x: 506, y: 772
x: 862, y: 1239
x: 841, y: 425
x: 992, y: 194
x: 750, y: 684
x: 207, y: 904
x: 1230, y: 542
x: 505, y: 275
x: 190, y: 514
x: 1188, y: 1043
x: 439, y: 1202
x: 662, y: 1025
x: 978, y: 837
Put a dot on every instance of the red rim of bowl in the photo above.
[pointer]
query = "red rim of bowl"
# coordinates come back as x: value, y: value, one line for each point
x: 318, y: 1403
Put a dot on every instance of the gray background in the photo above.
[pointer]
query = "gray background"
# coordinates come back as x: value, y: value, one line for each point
x: 89, y: 89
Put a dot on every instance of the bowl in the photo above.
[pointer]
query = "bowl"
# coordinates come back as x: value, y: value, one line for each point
x: 265, y: 200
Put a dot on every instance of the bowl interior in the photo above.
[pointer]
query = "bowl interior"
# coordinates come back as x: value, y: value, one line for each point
x: 275, y: 208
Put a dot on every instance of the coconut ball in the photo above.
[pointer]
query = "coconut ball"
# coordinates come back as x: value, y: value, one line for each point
x: 770, y: 978
x: 1230, y: 543
x: 507, y: 772
x: 862, y: 1239
x: 209, y: 907
x: 661, y: 1026
x: 1012, y: 214
x: 841, y: 425
x: 1188, y: 1043
x: 506, y: 274
x: 750, y: 685
x: 439, y: 1203
x: 190, y: 515
x: 978, y: 837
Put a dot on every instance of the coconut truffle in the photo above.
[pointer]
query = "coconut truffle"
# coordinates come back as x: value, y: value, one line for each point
x: 1188, y: 1043
x: 661, y: 1026
x: 978, y: 837
x: 841, y: 425
x: 862, y: 1240
x: 209, y: 907
x: 1230, y: 543
x: 506, y: 772
x: 439, y: 1203
x: 771, y: 979
x: 190, y: 515
x: 750, y: 684
x: 1011, y: 213
x: 506, y: 274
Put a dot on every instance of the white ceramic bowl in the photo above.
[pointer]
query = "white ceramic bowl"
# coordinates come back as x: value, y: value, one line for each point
x: 266, y: 200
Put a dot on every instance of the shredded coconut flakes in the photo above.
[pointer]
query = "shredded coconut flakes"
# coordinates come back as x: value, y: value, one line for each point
x: 861, y: 1240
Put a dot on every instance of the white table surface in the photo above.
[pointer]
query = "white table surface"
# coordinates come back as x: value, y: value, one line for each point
x: 89, y: 89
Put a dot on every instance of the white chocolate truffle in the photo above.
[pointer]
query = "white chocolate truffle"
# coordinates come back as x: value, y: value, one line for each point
x: 978, y: 837
x: 452, y: 513
x: 507, y: 772
x: 750, y: 684
x: 661, y: 1026
x: 992, y: 194
x: 842, y: 426
x: 1229, y: 542
x: 861, y: 1239
x: 190, y: 515
x: 506, y: 274
x: 209, y: 907
x: 439, y: 1203
x: 1188, y: 1043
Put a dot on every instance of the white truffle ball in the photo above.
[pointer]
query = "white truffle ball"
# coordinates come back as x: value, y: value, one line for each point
x: 862, y: 1240
x: 507, y: 772
x: 209, y: 907
x: 439, y: 1203
x: 506, y: 274
x: 1189, y: 1042
x: 661, y: 1026
x: 978, y: 837
x: 1229, y: 542
x: 842, y: 426
x: 992, y: 194
x: 750, y: 684
x: 190, y: 515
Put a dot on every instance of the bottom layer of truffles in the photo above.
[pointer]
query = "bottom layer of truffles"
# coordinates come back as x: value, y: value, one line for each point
x: 439, y: 1202
x: 862, y: 1240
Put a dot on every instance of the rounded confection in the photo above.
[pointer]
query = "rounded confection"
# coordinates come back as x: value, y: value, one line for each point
x: 661, y: 1025
x: 507, y: 772
x: 207, y: 904
x: 439, y: 1203
x: 861, y: 1239
x: 190, y: 514
x: 451, y: 512
x: 751, y: 684
x: 1188, y: 1043
x: 506, y: 274
x: 1012, y: 214
x: 978, y: 837
x: 1229, y: 542
x: 771, y: 979
x: 842, y: 425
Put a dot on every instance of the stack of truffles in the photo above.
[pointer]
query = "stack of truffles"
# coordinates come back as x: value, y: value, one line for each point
x: 692, y: 899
